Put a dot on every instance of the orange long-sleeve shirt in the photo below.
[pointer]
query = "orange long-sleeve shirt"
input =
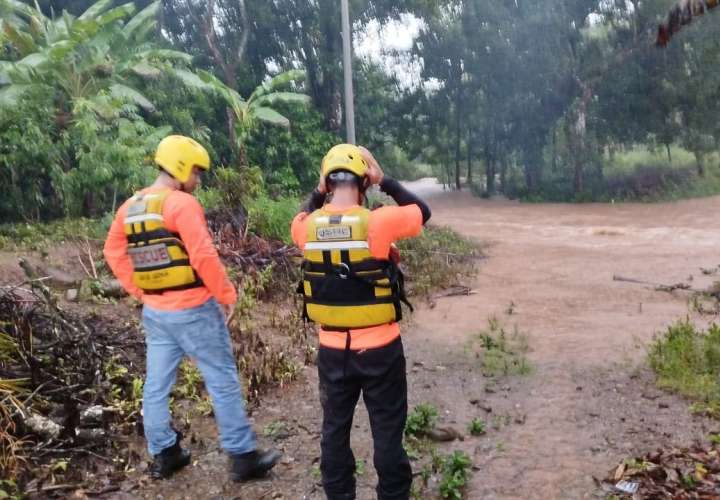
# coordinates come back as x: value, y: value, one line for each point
x: 184, y: 215
x: 385, y: 226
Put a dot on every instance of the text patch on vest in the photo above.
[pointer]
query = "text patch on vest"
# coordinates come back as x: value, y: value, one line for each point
x: 334, y: 233
x: 149, y: 256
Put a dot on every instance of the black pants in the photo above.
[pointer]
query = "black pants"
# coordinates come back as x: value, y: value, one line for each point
x: 380, y: 375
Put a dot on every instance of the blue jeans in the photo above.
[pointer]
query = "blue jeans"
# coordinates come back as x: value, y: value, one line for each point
x: 201, y: 334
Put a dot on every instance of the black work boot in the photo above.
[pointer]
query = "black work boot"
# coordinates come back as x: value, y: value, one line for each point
x: 170, y: 460
x: 252, y: 465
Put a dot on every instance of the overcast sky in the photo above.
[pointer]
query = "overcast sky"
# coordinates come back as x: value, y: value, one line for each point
x: 390, y: 46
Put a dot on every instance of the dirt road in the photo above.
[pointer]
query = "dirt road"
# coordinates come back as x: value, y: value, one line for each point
x: 588, y: 403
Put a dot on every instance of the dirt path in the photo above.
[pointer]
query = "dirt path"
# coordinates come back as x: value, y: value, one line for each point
x: 588, y: 402
x: 586, y: 405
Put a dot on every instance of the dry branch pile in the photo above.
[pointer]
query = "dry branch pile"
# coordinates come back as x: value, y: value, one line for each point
x: 70, y: 391
x: 688, y: 473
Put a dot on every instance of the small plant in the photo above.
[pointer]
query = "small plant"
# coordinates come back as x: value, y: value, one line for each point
x: 315, y: 471
x: 421, y: 420
x: 274, y: 429
x: 420, y: 482
x: 190, y: 381
x: 714, y: 438
x: 359, y: 468
x: 499, y: 421
x: 455, y: 474
x: 476, y: 427
x: 500, y: 352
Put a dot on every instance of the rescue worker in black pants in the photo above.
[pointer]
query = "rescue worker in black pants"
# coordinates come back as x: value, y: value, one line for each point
x: 354, y: 290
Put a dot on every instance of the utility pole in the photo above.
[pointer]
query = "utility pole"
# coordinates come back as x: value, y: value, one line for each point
x: 347, y: 71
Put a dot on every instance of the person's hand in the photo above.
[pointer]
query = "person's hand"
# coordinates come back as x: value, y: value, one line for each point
x: 375, y: 173
x: 229, y: 310
x: 322, y: 187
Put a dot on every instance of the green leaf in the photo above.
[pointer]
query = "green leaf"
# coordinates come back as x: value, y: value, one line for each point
x: 283, y: 79
x: 138, y: 23
x: 34, y: 60
x: 282, y: 97
x: 10, y: 95
x: 113, y: 15
x: 278, y: 81
x: 123, y: 92
x: 166, y: 55
x: 36, y: 27
x: 145, y: 70
x: 95, y: 10
x: 271, y: 117
x: 60, y: 50
x: 191, y: 80
x: 20, y: 7
x: 22, y: 42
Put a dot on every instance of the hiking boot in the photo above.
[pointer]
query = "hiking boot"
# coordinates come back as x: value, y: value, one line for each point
x: 252, y: 465
x: 170, y: 460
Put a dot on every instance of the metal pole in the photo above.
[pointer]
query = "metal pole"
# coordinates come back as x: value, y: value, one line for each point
x: 347, y: 70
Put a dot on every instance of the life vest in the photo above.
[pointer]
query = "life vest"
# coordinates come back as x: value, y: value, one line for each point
x: 160, y: 261
x: 343, y: 286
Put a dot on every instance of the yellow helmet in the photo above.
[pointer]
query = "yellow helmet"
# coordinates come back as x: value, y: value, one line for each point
x: 344, y: 157
x: 177, y: 155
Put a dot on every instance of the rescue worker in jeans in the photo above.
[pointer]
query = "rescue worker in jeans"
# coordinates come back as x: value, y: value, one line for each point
x: 160, y: 250
x: 353, y: 290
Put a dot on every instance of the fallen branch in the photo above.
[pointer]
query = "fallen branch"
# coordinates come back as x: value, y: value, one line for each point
x: 455, y: 291
x: 53, y: 487
x: 659, y: 286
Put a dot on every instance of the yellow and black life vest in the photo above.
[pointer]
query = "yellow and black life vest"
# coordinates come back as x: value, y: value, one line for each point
x: 343, y: 286
x: 160, y: 261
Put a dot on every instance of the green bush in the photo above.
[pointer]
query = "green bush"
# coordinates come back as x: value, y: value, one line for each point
x: 438, y: 258
x: 476, y: 427
x: 271, y: 218
x: 455, y: 475
x: 686, y: 359
x: 29, y: 161
x: 38, y: 235
x: 421, y: 420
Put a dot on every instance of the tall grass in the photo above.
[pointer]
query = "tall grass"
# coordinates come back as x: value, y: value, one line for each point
x: 439, y: 258
x: 686, y: 360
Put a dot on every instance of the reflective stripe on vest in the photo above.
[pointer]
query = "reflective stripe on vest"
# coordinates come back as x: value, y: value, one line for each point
x: 343, y: 286
x: 160, y: 261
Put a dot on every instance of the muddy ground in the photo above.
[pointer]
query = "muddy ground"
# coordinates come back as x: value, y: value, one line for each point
x: 589, y: 400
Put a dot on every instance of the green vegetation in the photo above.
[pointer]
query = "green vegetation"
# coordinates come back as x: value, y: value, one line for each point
x: 38, y: 236
x: 455, y: 474
x: 686, y: 359
x: 421, y: 420
x: 88, y: 88
x: 439, y: 258
x: 501, y: 352
x: 476, y: 427
x: 359, y: 468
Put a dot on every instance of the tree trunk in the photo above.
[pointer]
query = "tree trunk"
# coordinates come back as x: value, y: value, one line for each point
x: 489, y: 170
x: 579, y: 180
x: 554, y: 149
x: 700, y: 164
x: 457, y: 138
x: 503, y: 176
x: 667, y: 147
x: 469, y: 158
